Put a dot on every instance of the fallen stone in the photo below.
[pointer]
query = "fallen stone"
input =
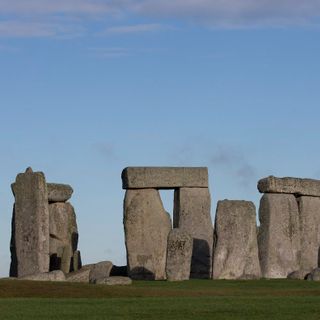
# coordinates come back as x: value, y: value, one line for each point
x: 236, y: 248
x: 115, y: 281
x: 192, y: 214
x: 296, y: 186
x: 100, y: 271
x: 314, y: 275
x: 59, y: 192
x: 164, y: 177
x: 56, y: 275
x: 146, y: 226
x: 81, y: 275
x: 30, y: 225
x: 309, y: 208
x: 279, y: 235
x: 298, y: 275
x: 179, y: 254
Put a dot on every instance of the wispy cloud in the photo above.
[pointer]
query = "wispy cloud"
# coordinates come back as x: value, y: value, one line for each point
x: 137, y: 28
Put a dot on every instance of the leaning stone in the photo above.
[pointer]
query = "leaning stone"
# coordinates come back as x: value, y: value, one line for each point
x: 115, y: 281
x: 296, y: 186
x: 279, y: 235
x: 309, y: 208
x: 56, y: 275
x: 298, y: 275
x: 146, y: 226
x: 81, y: 275
x: 314, y: 275
x: 30, y: 225
x: 164, y: 177
x: 236, y: 248
x: 100, y: 271
x: 59, y: 192
x: 192, y: 214
x: 179, y: 253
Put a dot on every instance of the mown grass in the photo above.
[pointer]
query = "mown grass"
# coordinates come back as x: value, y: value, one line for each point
x: 195, y: 299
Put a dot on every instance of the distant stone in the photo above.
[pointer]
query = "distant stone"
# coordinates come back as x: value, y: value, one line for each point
x: 115, y: 281
x: 56, y: 275
x: 279, y: 235
x: 164, y: 177
x: 147, y: 226
x: 236, y: 248
x: 179, y: 254
x: 298, y: 275
x: 81, y: 275
x: 30, y: 225
x: 296, y: 186
x: 59, y: 192
x: 100, y: 271
x: 314, y: 275
x: 29, y: 170
x: 76, y: 261
x: 192, y: 214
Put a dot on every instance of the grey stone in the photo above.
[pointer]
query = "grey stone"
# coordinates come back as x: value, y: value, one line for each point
x: 100, y: 271
x: 236, y: 248
x: 59, y: 192
x: 81, y: 275
x: 279, y: 235
x: 297, y: 186
x: 314, y: 275
x: 309, y: 208
x: 30, y: 225
x: 115, y: 281
x: 191, y: 214
x: 179, y: 254
x: 63, y: 236
x: 56, y: 275
x: 299, y: 275
x: 164, y: 177
x: 76, y: 262
x: 146, y: 226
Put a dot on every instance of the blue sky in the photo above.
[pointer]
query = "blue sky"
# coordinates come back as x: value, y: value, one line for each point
x: 90, y: 87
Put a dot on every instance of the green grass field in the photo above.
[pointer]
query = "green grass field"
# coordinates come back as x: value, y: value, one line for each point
x: 195, y: 299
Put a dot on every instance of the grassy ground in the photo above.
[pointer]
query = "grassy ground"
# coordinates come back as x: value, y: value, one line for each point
x: 195, y: 299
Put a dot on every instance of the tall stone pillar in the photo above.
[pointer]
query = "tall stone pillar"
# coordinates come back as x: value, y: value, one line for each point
x: 192, y: 207
x: 30, y: 225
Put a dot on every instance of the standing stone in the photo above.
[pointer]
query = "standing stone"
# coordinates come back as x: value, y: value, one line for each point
x: 192, y: 214
x: 146, y: 226
x: 279, y: 235
x: 30, y: 225
x: 236, y: 248
x: 63, y: 236
x: 309, y: 208
x: 179, y: 253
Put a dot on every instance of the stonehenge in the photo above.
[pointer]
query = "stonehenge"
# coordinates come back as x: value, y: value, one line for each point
x: 286, y: 244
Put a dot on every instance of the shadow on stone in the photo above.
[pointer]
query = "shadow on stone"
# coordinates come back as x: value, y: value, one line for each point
x: 119, y: 271
x: 141, y: 273
x: 14, y: 260
x: 55, y: 262
x: 200, y: 262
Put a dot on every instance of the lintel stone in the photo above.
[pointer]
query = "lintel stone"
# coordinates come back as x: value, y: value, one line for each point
x: 164, y: 177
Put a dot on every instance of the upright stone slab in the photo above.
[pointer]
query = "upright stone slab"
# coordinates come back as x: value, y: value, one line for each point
x: 179, y: 254
x: 146, y: 226
x: 236, y: 248
x: 192, y: 214
x: 164, y: 177
x: 30, y: 225
x: 279, y: 235
x: 63, y: 236
x: 309, y: 208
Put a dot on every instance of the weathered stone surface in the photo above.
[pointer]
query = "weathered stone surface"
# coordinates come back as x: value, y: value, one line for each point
x: 59, y: 192
x: 236, y: 248
x: 81, y: 275
x: 297, y: 186
x: 76, y: 261
x: 314, y: 275
x: 115, y: 281
x: 56, y: 275
x: 30, y: 225
x: 146, y: 226
x: 179, y: 254
x: 309, y: 208
x: 100, y: 271
x: 164, y: 177
x: 299, y: 275
x: 279, y: 235
x: 63, y: 236
x: 192, y: 208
